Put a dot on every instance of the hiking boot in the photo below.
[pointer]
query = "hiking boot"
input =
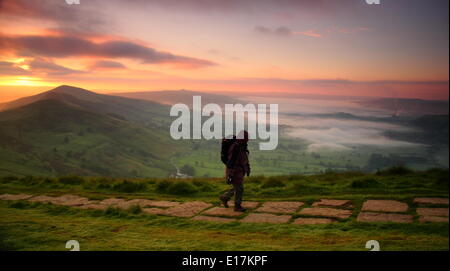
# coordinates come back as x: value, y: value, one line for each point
x: 224, y: 202
x: 239, y: 208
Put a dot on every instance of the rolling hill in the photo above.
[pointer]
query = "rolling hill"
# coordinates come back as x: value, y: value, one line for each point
x: 74, y: 131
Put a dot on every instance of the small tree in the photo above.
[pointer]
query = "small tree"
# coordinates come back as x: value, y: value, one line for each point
x: 189, y: 170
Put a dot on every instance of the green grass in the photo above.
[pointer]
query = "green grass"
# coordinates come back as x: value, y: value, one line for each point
x: 52, y: 138
x: 352, y: 185
x: 33, y: 226
x: 292, y: 156
x: 46, y: 227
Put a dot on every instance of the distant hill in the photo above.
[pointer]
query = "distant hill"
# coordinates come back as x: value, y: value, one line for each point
x: 70, y: 130
x: 130, y: 109
x: 416, y: 107
x: 171, y: 97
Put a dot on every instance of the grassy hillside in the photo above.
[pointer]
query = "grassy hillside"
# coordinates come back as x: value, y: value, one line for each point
x: 70, y: 130
x: 51, y: 137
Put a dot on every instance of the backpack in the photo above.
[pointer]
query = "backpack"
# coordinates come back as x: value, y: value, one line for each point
x: 226, y: 144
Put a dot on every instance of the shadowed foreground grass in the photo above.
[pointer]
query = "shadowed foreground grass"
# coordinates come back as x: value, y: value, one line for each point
x: 26, y: 226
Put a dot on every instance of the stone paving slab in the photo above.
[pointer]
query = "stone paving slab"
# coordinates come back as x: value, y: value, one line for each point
x: 154, y: 211
x: 162, y: 203
x: 433, y: 211
x: 94, y: 206
x: 246, y: 204
x: 443, y: 201
x: 112, y: 201
x: 153, y: 203
x: 15, y: 196
x: 331, y: 203
x: 187, y: 209
x: 313, y: 221
x: 326, y: 212
x: 221, y: 211
x: 213, y: 219
x: 70, y: 200
x: 266, y: 218
x: 385, y: 206
x: 42, y: 199
x: 126, y: 204
x: 383, y: 217
x: 431, y: 218
x: 282, y: 207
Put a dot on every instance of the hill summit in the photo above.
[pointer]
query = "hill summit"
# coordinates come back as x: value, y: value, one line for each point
x: 70, y: 130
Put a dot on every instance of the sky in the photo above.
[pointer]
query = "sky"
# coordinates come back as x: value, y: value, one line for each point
x: 399, y: 48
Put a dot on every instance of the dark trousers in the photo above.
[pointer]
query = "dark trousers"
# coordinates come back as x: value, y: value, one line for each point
x: 237, y: 191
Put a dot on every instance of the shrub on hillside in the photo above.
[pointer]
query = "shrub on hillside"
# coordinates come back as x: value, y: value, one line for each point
x: 129, y: 187
x: 135, y: 209
x: 163, y: 185
x: 365, y: 183
x: 273, y: 182
x: 10, y: 178
x: 181, y: 188
x: 203, y: 185
x: 396, y: 170
x: 188, y: 170
x: 255, y: 179
x: 71, y: 180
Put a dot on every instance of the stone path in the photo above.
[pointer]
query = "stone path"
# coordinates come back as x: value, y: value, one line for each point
x: 384, y: 217
x: 305, y: 220
x: 437, y: 201
x: 332, y: 203
x: 431, y: 214
x: 323, y: 211
x: 284, y: 207
x: 385, y: 206
x: 326, y: 212
x: 266, y: 218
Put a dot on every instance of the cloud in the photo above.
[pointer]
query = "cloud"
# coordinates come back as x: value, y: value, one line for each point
x: 247, y: 6
x: 309, y: 33
x: 281, y: 31
x: 64, y: 46
x: 40, y: 65
x: 11, y: 68
x: 313, y: 33
x: 86, y: 17
x: 263, y: 30
x: 107, y: 64
x: 350, y: 30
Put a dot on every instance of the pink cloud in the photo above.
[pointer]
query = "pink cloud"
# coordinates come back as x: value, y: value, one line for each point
x: 309, y: 33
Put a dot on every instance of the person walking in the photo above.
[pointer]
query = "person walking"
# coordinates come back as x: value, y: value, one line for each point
x: 236, y: 168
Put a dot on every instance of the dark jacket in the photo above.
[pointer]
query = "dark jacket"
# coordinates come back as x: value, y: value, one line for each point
x: 238, y: 165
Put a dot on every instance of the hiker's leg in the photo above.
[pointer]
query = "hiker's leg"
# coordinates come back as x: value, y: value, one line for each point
x: 228, y: 194
x: 239, y: 191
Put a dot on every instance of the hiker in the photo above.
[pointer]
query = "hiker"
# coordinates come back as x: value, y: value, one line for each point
x: 237, y: 166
